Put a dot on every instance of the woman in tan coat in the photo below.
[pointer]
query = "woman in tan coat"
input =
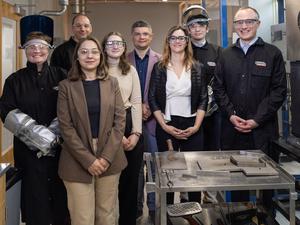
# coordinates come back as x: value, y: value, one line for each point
x: 92, y: 120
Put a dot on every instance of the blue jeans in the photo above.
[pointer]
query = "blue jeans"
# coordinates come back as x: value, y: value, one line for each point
x: 150, y: 146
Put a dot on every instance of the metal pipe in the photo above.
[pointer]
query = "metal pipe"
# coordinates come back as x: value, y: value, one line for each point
x: 83, y: 7
x: 63, y: 3
x: 76, y: 7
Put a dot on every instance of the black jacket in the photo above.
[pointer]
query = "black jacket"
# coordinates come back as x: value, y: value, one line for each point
x: 157, y: 89
x: 207, y: 55
x: 252, y: 86
x: 43, y: 199
x: 62, y: 55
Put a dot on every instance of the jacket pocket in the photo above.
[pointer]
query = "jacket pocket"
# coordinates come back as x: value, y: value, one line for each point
x: 260, y: 77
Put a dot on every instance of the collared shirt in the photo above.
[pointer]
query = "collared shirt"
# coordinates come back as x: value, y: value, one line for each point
x: 199, y: 44
x: 141, y: 67
x: 246, y: 46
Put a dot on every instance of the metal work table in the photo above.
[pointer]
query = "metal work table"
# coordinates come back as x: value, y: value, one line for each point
x: 191, y: 179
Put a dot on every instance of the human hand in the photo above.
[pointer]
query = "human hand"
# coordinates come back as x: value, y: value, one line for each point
x: 133, y: 140
x: 189, y: 131
x: 251, y: 124
x: 241, y: 125
x: 175, y: 132
x: 125, y: 143
x: 104, y: 163
x: 146, y: 111
x: 96, y: 168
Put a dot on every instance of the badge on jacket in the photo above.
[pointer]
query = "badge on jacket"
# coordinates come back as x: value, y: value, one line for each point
x: 211, y: 63
x: 260, y: 63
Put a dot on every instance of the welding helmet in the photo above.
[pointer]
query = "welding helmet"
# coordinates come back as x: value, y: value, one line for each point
x: 195, y: 14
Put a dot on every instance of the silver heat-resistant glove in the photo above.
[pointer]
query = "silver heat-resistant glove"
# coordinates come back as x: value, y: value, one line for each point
x: 35, y: 136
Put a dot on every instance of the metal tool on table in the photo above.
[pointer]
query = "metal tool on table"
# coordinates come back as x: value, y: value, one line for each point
x: 169, y: 182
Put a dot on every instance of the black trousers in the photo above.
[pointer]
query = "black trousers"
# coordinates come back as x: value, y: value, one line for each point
x: 211, y: 126
x: 128, y: 184
x: 193, y: 143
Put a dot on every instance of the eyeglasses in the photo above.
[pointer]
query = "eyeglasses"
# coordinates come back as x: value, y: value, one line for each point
x: 37, y: 47
x: 118, y: 44
x: 85, y: 51
x: 247, y: 22
x: 145, y: 34
x: 194, y: 26
x: 78, y: 25
x: 173, y: 39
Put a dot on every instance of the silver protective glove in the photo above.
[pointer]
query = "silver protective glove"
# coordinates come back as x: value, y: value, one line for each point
x: 35, y: 136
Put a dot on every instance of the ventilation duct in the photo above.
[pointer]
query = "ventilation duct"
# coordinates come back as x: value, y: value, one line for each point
x: 63, y: 3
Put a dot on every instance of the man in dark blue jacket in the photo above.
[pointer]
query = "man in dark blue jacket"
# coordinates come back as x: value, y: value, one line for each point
x: 250, y: 86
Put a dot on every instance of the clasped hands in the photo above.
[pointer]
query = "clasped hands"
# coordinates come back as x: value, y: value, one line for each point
x: 98, y: 167
x: 180, y: 134
x: 241, y: 125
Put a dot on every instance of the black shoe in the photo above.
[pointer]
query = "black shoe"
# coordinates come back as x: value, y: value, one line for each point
x: 139, y: 213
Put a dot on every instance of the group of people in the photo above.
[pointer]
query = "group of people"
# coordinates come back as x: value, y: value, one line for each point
x: 112, y: 106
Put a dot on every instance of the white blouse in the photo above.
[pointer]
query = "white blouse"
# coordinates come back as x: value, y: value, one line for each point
x: 178, y: 102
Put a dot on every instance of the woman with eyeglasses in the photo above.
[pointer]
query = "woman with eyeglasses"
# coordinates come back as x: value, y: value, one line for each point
x: 92, y: 120
x: 178, y: 97
x: 29, y: 101
x: 115, y: 58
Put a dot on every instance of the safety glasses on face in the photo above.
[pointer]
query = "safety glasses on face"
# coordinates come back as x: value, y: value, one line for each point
x: 37, y: 47
x: 118, y: 44
x: 85, y: 51
x: 196, y: 25
x: 181, y: 39
x: 247, y: 22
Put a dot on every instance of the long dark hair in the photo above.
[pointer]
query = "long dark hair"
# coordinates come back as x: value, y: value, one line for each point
x: 123, y: 64
x: 166, y: 56
x: 76, y: 72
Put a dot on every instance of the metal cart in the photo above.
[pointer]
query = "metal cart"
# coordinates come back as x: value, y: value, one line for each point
x: 189, y: 177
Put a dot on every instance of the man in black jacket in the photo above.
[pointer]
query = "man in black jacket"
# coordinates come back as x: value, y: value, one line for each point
x: 250, y: 86
x: 62, y: 56
x: 207, y: 54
